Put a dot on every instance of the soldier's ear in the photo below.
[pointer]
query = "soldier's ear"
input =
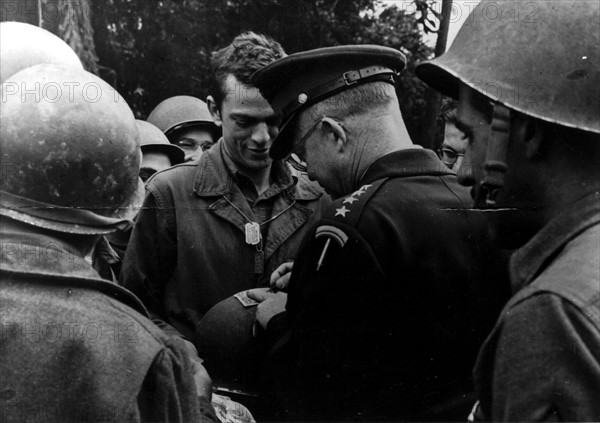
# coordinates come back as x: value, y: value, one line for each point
x: 213, y: 108
x: 337, y: 130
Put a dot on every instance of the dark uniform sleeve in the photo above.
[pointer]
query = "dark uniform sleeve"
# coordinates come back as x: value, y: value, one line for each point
x: 150, y: 259
x: 168, y: 392
x: 311, y: 368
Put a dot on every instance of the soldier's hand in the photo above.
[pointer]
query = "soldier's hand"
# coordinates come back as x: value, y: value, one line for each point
x: 271, y: 303
x: 202, y: 379
x: 280, y: 278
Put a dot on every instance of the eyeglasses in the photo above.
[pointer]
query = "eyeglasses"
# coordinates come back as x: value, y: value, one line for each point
x: 300, y: 146
x: 297, y: 159
x: 448, y: 156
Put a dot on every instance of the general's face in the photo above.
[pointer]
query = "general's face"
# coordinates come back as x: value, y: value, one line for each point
x: 512, y: 219
x: 314, y: 145
x: 249, y: 125
x: 193, y: 140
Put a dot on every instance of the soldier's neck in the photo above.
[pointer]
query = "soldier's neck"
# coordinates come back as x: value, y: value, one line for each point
x: 382, y: 135
x: 260, y: 178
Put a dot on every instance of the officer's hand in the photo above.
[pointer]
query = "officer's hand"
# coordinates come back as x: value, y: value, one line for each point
x: 202, y: 379
x: 271, y: 303
x: 280, y: 278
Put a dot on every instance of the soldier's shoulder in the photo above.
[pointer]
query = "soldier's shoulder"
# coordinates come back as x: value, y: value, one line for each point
x: 174, y: 173
x: 118, y: 321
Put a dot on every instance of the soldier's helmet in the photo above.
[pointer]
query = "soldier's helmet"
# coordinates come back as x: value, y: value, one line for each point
x: 70, y: 152
x: 180, y: 112
x: 23, y: 45
x: 153, y: 139
x: 541, y: 58
x: 224, y: 339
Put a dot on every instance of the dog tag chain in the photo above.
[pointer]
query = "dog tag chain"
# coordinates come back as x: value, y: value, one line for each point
x: 254, y: 237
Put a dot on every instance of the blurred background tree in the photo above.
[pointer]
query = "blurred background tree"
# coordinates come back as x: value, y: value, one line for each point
x: 71, y: 20
x: 154, y: 49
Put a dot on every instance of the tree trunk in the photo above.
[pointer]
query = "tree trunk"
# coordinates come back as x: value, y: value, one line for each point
x: 433, y: 99
x: 71, y: 21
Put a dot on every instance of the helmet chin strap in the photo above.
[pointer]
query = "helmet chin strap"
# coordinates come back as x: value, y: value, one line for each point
x: 495, y: 167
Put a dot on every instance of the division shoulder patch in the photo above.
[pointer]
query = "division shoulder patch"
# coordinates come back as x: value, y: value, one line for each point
x: 332, y: 232
x: 333, y: 236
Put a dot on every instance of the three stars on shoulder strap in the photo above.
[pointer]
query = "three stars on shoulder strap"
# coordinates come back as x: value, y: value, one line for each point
x: 351, y: 199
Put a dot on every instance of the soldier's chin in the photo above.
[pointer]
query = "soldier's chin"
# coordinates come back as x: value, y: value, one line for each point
x: 511, y: 228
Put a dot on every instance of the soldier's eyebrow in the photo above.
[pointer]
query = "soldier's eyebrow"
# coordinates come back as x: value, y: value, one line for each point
x: 242, y: 116
x: 254, y: 118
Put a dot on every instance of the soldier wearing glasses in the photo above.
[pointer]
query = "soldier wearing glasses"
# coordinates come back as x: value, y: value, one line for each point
x: 452, y: 150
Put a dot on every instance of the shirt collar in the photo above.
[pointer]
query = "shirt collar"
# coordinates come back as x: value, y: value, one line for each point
x: 216, y: 174
x: 280, y: 174
x: 30, y: 253
x: 26, y: 251
x: 530, y: 260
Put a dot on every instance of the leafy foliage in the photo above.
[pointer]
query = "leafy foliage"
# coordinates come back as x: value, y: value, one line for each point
x: 395, y: 28
x: 428, y: 16
x: 151, y: 50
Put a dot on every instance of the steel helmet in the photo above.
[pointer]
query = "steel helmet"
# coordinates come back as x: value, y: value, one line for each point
x: 70, y: 152
x: 540, y: 58
x: 23, y: 45
x: 179, y: 112
x: 224, y: 339
x: 152, y: 139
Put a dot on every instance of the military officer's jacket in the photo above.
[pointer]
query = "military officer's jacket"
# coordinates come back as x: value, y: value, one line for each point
x: 391, y: 295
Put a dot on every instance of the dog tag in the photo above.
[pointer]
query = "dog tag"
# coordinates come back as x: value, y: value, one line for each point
x: 252, y: 233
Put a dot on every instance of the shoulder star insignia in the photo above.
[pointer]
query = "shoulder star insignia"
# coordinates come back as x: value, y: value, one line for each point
x: 342, y: 212
x: 350, y: 200
x: 363, y: 189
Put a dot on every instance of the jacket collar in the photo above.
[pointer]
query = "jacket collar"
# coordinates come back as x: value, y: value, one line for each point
x: 403, y: 163
x: 216, y: 175
x: 31, y: 254
x: 530, y: 260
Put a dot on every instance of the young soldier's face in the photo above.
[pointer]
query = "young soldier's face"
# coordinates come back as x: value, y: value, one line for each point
x: 249, y: 125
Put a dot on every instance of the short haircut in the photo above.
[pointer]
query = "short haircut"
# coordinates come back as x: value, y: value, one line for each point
x: 357, y: 101
x: 247, y: 53
x: 449, y: 110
